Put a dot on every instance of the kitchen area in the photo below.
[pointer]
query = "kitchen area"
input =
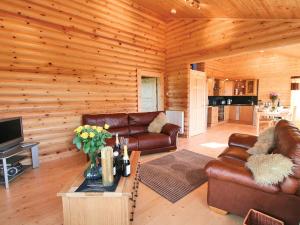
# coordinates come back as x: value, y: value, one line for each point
x: 231, y: 100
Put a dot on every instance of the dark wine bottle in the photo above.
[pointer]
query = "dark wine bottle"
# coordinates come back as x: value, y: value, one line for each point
x: 125, y: 163
x: 117, y: 143
x: 116, y: 154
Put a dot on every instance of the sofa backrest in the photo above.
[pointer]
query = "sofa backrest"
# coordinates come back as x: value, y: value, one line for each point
x: 139, y: 122
x: 287, y: 138
x: 118, y: 123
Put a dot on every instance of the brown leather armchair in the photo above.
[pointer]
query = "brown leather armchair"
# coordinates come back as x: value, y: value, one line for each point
x: 231, y: 186
x: 134, y: 126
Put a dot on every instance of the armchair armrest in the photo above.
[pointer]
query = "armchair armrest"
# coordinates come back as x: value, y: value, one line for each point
x: 172, y: 131
x: 225, y: 171
x: 242, y: 140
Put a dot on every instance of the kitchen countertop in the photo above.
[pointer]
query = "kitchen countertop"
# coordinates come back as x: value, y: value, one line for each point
x: 232, y: 105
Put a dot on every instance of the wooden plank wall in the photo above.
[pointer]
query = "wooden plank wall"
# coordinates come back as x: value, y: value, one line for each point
x: 273, y: 70
x: 196, y: 40
x: 61, y: 59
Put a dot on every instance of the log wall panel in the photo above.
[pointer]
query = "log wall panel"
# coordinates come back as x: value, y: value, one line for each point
x: 197, y: 40
x: 61, y: 59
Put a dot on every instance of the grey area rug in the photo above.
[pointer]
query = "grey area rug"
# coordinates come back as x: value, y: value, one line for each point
x: 175, y: 175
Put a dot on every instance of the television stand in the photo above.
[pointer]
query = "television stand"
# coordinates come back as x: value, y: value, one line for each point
x: 12, y: 155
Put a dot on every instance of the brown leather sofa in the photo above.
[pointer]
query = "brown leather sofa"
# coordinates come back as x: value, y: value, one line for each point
x: 231, y: 186
x: 134, y: 126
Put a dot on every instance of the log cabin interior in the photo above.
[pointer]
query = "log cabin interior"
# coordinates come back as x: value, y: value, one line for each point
x: 142, y: 112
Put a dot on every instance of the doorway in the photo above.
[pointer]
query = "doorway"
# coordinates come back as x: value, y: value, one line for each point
x: 197, y: 103
x: 150, y: 91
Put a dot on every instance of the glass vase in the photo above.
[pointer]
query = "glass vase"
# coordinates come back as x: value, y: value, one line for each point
x: 92, y: 172
x: 107, y: 166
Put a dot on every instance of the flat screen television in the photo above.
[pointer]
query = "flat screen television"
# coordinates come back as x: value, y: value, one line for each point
x: 11, y: 132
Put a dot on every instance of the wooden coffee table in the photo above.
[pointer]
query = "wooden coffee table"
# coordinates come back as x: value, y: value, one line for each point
x: 109, y: 208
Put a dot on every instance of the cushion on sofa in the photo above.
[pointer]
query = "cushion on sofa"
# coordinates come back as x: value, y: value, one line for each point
x: 235, y: 173
x: 157, y: 124
x: 152, y: 140
x: 122, y: 131
x: 113, y: 120
x: 242, y: 140
x: 132, y: 145
x: 270, y: 169
x: 265, y: 142
x: 287, y: 138
x: 138, y: 129
x: 237, y: 153
x: 146, y: 118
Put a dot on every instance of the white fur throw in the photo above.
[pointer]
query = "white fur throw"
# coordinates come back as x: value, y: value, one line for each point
x: 270, y: 169
x: 157, y: 124
x: 265, y: 142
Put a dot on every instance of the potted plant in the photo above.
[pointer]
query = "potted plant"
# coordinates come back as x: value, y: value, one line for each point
x: 91, y: 139
x: 273, y: 98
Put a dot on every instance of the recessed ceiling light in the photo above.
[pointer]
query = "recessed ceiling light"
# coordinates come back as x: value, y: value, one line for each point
x: 173, y: 11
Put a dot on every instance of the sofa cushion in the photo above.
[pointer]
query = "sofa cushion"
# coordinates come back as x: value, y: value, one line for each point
x: 139, y: 122
x: 152, y: 140
x: 132, y: 145
x: 237, y: 153
x: 287, y: 138
x: 233, y: 173
x: 122, y: 131
x: 113, y: 120
x: 242, y: 140
x: 138, y: 129
x: 157, y: 124
x: 136, y: 119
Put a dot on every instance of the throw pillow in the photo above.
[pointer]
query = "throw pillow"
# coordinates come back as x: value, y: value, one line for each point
x: 157, y: 124
x: 265, y: 142
x: 270, y: 169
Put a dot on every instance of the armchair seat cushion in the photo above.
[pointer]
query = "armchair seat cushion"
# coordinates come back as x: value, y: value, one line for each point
x: 237, y: 153
x: 152, y: 140
x: 232, y: 172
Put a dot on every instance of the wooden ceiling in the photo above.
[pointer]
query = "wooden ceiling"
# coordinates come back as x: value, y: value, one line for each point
x: 247, y: 9
x: 290, y: 51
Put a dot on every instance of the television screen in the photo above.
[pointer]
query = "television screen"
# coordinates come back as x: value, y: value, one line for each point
x: 10, y: 132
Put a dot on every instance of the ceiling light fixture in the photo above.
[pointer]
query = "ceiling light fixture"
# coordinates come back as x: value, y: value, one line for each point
x: 193, y: 3
x: 173, y: 11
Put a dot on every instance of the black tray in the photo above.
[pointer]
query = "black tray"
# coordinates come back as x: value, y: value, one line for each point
x: 97, y: 186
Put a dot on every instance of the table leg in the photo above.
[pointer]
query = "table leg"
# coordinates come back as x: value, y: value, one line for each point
x: 35, y: 156
x: 4, y: 164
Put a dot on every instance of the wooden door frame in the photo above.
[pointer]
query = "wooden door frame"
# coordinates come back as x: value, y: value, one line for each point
x: 155, y: 74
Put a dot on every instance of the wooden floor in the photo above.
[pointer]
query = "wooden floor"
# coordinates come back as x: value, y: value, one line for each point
x: 32, y: 199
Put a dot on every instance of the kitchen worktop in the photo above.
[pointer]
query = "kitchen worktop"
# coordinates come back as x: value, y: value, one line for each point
x: 231, y: 105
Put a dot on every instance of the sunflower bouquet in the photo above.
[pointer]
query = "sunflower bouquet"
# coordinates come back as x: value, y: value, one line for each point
x: 91, y: 138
